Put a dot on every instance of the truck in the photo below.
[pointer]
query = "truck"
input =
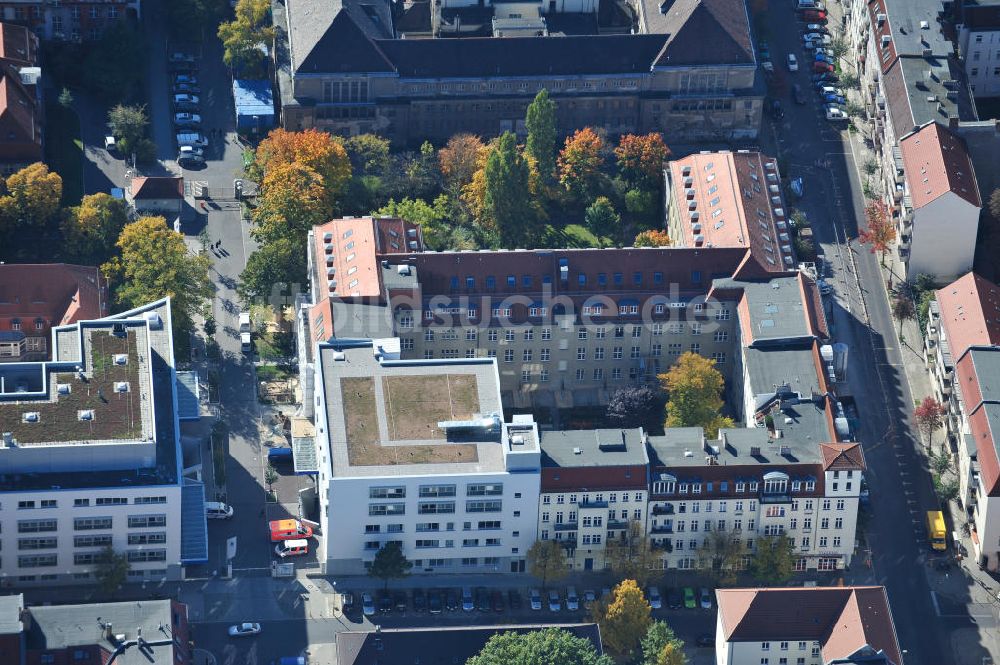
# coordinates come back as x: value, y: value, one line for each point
x: 192, y: 138
x: 246, y: 345
x: 936, y: 534
x: 244, y: 322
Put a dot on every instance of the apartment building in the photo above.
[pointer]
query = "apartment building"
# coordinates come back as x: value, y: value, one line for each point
x: 91, y: 456
x: 909, y: 77
x: 427, y: 71
x: 21, y: 109
x: 805, y: 626
x: 941, y: 204
x: 417, y: 452
x: 730, y: 199
x: 70, y: 20
x: 35, y: 298
x: 594, y: 487
x: 978, y: 25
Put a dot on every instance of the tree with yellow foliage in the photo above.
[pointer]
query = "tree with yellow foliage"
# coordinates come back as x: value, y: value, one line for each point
x: 694, y: 389
x: 653, y: 238
x: 459, y: 160
x: 580, y: 163
x: 91, y: 229
x: 292, y: 200
x: 322, y: 152
x: 625, y: 619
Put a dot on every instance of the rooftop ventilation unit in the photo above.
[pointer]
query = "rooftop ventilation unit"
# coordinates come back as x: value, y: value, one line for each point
x: 517, y: 440
x: 30, y: 417
x: 153, y: 321
x: 755, y: 451
x: 578, y: 451
x: 696, y: 228
x: 689, y: 193
x: 403, y: 270
x: 692, y: 205
x: 413, y: 245
x: 880, y: 18
x: 121, y: 386
x: 693, y: 216
x: 688, y: 453
x: 121, y: 359
x: 8, y: 439
x: 886, y: 40
x: 85, y: 414
x: 785, y: 450
x: 339, y: 355
x: 487, y: 423
x: 63, y: 388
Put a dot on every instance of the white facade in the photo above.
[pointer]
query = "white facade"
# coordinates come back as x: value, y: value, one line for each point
x: 980, y: 49
x: 583, y: 522
x: 943, y: 242
x: 800, y: 652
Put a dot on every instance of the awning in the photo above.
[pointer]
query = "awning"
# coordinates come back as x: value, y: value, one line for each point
x: 304, y: 455
x: 194, y: 526
x: 188, y: 396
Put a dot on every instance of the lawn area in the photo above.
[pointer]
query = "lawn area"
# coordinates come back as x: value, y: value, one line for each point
x: 573, y: 235
x: 64, y: 150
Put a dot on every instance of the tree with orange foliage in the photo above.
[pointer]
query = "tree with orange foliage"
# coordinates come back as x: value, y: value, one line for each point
x: 580, y: 163
x: 321, y: 152
x: 641, y: 157
x: 460, y: 158
x: 293, y: 198
x: 653, y: 238
x: 879, y: 232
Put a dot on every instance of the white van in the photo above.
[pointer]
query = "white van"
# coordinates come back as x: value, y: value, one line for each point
x: 218, y: 511
x: 244, y: 322
x: 245, y: 344
x: 291, y: 548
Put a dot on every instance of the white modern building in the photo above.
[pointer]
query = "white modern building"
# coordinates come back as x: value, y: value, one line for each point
x: 417, y: 452
x: 805, y: 626
x: 91, y: 456
x: 978, y: 24
x: 941, y: 204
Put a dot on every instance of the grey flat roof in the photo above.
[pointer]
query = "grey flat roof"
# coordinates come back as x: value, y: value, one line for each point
x: 188, y: 396
x: 361, y: 321
x: 599, y: 447
x: 382, y: 415
x: 194, y: 527
x: 905, y: 17
x: 769, y: 368
x: 777, y: 309
x: 987, y: 365
x: 10, y: 614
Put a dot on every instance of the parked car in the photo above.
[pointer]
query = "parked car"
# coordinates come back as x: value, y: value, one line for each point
x: 793, y: 63
x: 399, y: 601
x: 482, y: 599
x: 799, y: 94
x: 572, y: 600
x: 347, y: 601
x: 185, y: 101
x: 496, y: 600
x: 419, y: 600
x: 777, y: 112
x: 186, y: 78
x: 817, y: 37
x: 706, y: 640
x: 820, y: 66
x: 705, y: 598
x: 178, y: 57
x: 817, y: 27
x: 689, y: 601
x: 764, y: 50
x: 186, y: 87
x: 451, y: 600
x: 535, y: 599
x: 110, y: 144
x: 825, y: 288
x: 434, y: 602
x: 675, y: 600
x: 834, y: 99
x: 367, y: 605
x: 186, y: 119
x: 190, y: 160
x: 589, y: 596
x: 823, y: 57
x: 384, y: 602
x: 193, y: 139
x: 244, y: 629
x: 468, y: 603
x: 555, y: 603
x: 514, y: 600
x: 653, y: 596
x: 825, y: 78
x: 814, y: 15
x: 835, y: 113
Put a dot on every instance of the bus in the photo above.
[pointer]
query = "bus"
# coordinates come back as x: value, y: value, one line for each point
x: 936, y: 533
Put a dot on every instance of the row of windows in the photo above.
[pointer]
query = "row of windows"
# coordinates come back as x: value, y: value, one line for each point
x: 91, y: 523
x: 528, y: 282
x: 434, y: 491
x: 592, y: 521
x: 772, y: 511
x: 468, y: 542
x: 770, y: 486
x: 84, y: 503
x: 538, y: 311
x: 598, y: 497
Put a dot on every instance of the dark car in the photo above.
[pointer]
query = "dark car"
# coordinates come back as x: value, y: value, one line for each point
x: 451, y: 600
x: 434, y: 603
x: 419, y: 600
x: 826, y: 78
x: 821, y: 66
x: 482, y: 599
x: 497, y: 601
x: 347, y: 601
x: 799, y: 94
x: 514, y: 600
x: 399, y: 600
x: 776, y: 110
x: 384, y: 602
x: 674, y: 599
x: 706, y: 640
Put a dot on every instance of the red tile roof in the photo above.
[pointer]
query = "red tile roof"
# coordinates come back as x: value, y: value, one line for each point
x: 55, y: 293
x: 936, y: 162
x: 157, y: 187
x: 970, y: 313
x: 20, y: 123
x: 350, y: 248
x: 842, y: 619
x: 842, y: 457
x: 18, y: 45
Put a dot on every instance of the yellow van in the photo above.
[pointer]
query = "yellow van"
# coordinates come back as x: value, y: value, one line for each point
x: 288, y: 530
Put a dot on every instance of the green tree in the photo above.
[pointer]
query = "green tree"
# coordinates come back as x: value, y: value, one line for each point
x: 128, y: 125
x: 903, y: 310
x: 625, y: 619
x: 631, y: 556
x: 433, y: 219
x: 694, y: 389
x: 154, y: 262
x: 507, y: 199
x: 636, y: 406
x: 580, y: 163
x: 278, y: 264
x: 369, y: 153
x: 540, y: 120
x: 994, y: 204
x: 114, y: 67
x: 459, y: 160
x: 111, y: 570
x: 390, y: 563
x: 642, y: 204
x: 601, y: 217
x: 548, y: 646
x: 774, y: 561
x: 547, y: 561
x: 244, y: 36
x: 660, y: 646
x: 65, y: 98
x: 720, y: 555
x: 91, y: 229
x: 270, y: 477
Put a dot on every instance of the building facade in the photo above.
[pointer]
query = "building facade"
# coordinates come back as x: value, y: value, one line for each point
x: 82, y: 473
x: 978, y: 25
x: 70, y: 20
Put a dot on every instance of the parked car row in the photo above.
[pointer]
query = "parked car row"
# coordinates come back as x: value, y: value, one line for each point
x: 191, y: 143
x: 481, y: 599
x: 816, y: 39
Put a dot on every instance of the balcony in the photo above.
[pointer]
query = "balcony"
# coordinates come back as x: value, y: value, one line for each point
x: 775, y: 498
x: 565, y: 526
x: 617, y: 524
x: 664, y: 546
x: 568, y: 544
x: 592, y: 504
x: 665, y: 509
x: 662, y: 528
